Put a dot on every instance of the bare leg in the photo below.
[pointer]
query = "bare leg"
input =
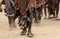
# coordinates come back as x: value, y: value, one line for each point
x: 14, y: 23
x: 10, y: 22
x: 29, y: 34
x: 45, y: 12
x: 57, y: 11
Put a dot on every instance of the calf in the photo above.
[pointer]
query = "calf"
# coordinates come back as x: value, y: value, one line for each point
x: 53, y: 8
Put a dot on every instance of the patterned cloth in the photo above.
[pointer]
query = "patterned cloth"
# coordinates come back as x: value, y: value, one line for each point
x: 7, y: 4
x: 9, y: 8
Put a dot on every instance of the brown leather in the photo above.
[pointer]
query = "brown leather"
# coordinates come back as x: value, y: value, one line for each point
x: 31, y: 3
x: 22, y: 6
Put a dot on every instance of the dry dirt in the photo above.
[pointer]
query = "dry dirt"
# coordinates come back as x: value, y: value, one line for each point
x: 47, y: 29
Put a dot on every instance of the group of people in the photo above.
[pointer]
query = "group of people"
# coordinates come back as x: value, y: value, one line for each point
x: 26, y: 10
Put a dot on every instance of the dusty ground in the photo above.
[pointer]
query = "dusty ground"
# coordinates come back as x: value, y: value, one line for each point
x: 47, y: 29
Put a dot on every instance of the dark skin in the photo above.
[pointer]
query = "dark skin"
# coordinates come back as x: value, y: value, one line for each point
x: 12, y: 20
x: 52, y: 10
x: 28, y: 23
